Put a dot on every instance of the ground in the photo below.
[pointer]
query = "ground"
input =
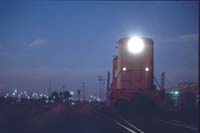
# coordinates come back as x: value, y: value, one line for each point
x: 83, y: 118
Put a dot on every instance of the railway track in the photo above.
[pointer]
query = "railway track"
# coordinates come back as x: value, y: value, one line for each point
x: 118, y: 120
x: 152, y: 124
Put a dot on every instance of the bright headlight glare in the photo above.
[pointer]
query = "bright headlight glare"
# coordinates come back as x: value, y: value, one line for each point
x: 135, y: 45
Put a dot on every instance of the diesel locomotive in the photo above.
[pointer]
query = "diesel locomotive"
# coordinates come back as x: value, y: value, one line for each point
x: 133, y: 72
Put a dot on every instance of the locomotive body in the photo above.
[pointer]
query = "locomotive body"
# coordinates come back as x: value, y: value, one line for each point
x: 131, y: 68
x: 133, y: 71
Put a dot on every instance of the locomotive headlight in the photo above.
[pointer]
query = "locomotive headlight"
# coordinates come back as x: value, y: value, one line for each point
x: 146, y: 69
x: 135, y: 45
x: 124, y: 68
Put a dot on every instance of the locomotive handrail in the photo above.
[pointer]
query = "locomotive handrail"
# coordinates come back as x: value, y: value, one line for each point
x: 130, y: 70
x: 127, y: 71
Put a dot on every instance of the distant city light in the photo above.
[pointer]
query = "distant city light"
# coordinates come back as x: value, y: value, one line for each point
x: 176, y: 92
x: 15, y: 91
x: 13, y: 94
x: 71, y: 93
x: 98, y: 99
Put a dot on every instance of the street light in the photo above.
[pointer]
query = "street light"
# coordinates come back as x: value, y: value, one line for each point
x: 71, y: 93
x: 135, y: 45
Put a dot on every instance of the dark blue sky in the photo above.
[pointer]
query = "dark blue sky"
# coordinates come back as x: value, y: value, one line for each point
x: 70, y: 42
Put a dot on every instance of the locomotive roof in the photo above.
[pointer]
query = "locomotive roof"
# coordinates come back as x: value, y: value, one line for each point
x: 125, y: 39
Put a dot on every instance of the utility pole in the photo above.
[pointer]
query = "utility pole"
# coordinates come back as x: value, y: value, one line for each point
x: 103, y: 88
x: 108, y: 83
x: 100, y: 79
x: 49, y: 88
x: 63, y: 88
x: 79, y: 92
x: 83, y: 88
x: 62, y: 93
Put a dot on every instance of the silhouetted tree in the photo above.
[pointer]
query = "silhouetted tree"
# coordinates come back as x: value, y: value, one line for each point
x: 66, y: 95
x: 61, y: 96
x: 55, y: 97
x: 169, y: 101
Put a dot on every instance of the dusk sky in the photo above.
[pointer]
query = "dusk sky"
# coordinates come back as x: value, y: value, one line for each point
x: 71, y: 42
